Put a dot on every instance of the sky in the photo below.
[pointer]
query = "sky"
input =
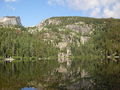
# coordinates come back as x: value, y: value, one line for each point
x: 32, y: 12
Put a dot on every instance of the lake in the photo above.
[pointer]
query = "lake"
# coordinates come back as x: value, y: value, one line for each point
x: 51, y: 75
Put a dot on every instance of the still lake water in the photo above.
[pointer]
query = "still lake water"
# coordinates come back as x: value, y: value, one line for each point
x: 50, y: 75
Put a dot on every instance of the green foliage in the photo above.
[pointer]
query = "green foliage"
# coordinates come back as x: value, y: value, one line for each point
x: 75, y: 19
x: 101, y: 54
x: 104, y: 43
x: 15, y: 42
x: 107, y: 40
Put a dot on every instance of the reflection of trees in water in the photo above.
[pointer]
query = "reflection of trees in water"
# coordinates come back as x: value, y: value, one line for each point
x: 106, y: 75
x: 49, y: 75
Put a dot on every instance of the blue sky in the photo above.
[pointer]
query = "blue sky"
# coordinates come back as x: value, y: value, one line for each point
x: 32, y: 12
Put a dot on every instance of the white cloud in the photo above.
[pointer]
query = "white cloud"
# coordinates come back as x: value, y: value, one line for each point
x: 108, y: 13
x: 10, y: 0
x: 56, y: 2
x: 114, y: 12
x: 96, y: 8
x: 11, y: 7
x: 82, y: 4
x: 96, y: 12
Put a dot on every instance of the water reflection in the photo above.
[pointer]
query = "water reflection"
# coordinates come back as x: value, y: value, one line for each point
x: 49, y: 75
x: 26, y: 88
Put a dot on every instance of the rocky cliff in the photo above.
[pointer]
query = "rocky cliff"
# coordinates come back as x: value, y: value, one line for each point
x: 67, y: 33
x: 10, y: 20
x: 70, y: 29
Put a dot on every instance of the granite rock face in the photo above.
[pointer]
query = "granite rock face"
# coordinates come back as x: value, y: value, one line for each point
x: 83, y: 29
x: 10, y: 20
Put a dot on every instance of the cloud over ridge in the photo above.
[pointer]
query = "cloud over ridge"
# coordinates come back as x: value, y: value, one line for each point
x: 96, y: 8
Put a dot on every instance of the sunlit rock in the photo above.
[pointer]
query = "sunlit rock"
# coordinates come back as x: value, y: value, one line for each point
x: 62, y: 69
x: 84, y: 74
x: 9, y: 59
x: 84, y: 39
x: 10, y: 20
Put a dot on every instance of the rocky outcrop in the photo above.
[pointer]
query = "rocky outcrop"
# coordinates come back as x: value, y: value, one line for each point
x: 64, y: 33
x: 10, y: 20
x: 84, y: 39
x: 82, y: 28
x: 53, y: 21
x: 49, y: 21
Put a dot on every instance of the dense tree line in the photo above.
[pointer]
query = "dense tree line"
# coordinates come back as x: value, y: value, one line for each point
x: 101, y: 55
x: 15, y: 42
x: 107, y: 39
x: 105, y: 44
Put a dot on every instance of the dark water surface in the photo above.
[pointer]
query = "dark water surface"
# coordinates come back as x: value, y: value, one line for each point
x: 50, y: 75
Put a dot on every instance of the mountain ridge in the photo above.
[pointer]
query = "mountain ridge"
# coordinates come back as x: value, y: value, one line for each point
x: 67, y: 35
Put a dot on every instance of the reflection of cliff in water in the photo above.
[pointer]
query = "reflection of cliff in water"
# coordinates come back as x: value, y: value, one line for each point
x: 76, y: 76
x: 43, y: 75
